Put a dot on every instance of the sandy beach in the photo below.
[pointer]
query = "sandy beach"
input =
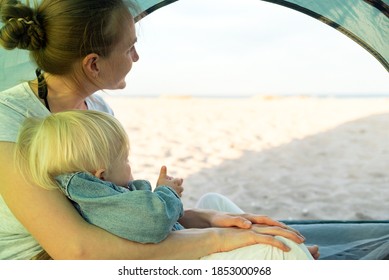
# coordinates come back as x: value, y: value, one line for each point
x: 286, y: 157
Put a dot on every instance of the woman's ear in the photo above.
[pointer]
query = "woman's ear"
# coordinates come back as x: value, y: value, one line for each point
x: 100, y: 174
x: 90, y: 63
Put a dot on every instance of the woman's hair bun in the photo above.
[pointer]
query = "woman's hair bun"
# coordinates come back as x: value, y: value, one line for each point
x: 21, y: 27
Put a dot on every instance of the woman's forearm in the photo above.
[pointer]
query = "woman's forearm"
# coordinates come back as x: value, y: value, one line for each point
x: 188, y: 244
x: 197, y: 218
x: 184, y: 244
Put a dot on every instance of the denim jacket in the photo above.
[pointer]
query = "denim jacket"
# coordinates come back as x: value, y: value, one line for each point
x: 135, y: 213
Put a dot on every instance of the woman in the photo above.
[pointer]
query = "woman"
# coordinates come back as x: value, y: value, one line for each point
x: 82, y: 46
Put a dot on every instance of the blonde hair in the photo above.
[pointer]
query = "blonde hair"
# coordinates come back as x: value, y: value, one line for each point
x: 68, y: 142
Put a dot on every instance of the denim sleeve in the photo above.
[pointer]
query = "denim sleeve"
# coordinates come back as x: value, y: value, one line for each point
x: 139, y: 215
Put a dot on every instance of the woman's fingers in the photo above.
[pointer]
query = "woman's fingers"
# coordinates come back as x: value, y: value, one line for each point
x: 274, y: 230
x: 236, y: 238
x: 271, y: 240
x: 263, y: 219
x: 233, y: 221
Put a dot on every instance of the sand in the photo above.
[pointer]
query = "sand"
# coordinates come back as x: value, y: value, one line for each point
x: 285, y: 157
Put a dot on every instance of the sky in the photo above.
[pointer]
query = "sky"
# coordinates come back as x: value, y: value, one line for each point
x: 219, y: 48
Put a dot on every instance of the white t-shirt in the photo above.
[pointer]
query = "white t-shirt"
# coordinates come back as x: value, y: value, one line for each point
x: 16, y: 104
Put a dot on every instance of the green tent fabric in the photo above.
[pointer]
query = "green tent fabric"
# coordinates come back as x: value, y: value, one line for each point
x: 364, y: 21
x: 346, y: 240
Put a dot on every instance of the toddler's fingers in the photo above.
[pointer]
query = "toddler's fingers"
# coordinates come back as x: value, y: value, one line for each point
x: 163, y: 171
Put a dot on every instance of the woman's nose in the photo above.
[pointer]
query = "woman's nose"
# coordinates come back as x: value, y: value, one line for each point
x: 135, y: 56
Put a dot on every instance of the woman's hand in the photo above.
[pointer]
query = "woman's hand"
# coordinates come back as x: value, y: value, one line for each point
x: 263, y: 226
x: 233, y: 238
x: 244, y: 221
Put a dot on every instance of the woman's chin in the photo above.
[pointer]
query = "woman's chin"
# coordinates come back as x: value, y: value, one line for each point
x: 120, y: 85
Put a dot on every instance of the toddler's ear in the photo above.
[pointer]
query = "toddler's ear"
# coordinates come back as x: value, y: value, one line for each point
x: 100, y: 174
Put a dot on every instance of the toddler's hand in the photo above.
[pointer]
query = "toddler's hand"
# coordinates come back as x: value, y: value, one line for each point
x: 174, y: 183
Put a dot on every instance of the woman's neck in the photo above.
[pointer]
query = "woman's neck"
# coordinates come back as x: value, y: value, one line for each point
x: 63, y: 94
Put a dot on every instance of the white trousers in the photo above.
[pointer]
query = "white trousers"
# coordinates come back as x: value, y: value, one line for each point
x: 221, y: 203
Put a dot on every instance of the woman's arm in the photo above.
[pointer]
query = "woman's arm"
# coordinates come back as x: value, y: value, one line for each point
x: 62, y: 232
x: 201, y: 218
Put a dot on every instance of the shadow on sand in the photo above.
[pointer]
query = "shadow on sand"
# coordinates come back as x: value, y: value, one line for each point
x: 320, y: 172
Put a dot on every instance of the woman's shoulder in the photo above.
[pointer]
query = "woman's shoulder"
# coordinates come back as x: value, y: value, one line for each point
x: 16, y: 104
x: 21, y: 98
x: 17, y: 91
x: 97, y: 102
